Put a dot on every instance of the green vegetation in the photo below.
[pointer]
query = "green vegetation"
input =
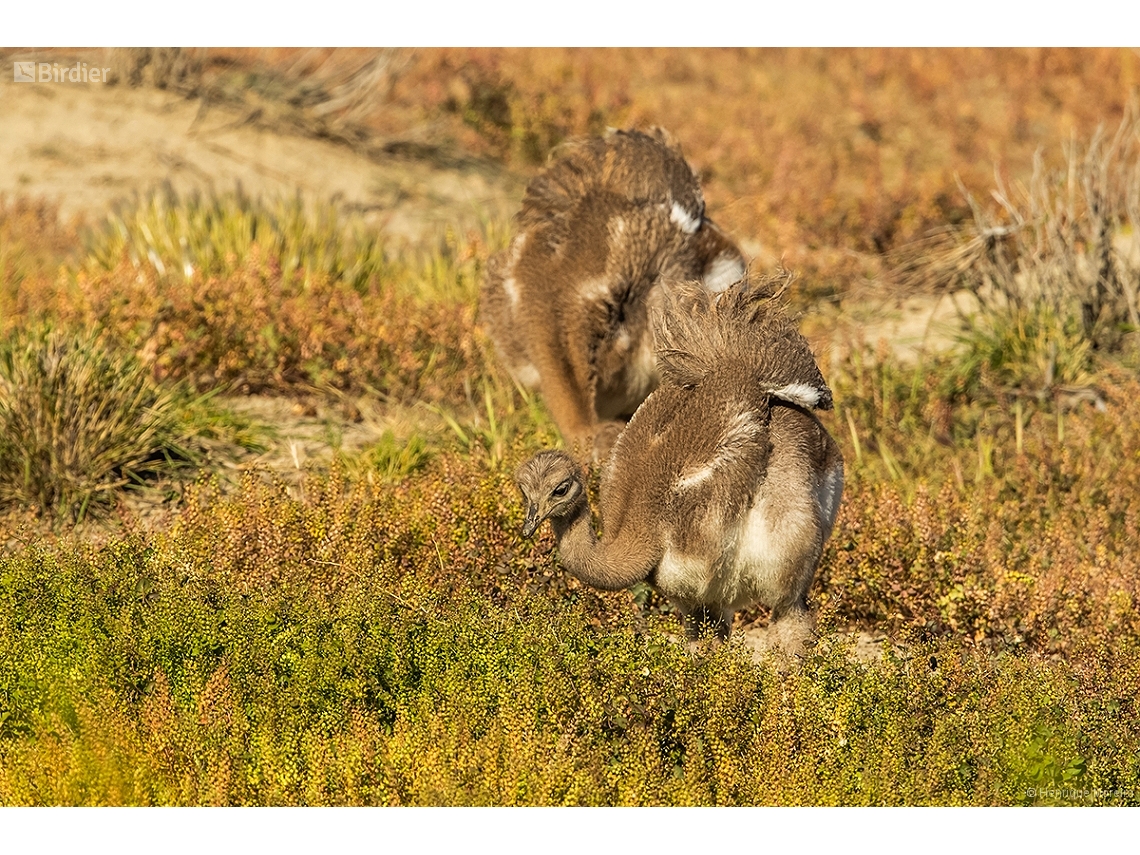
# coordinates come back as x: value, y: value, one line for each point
x: 827, y: 157
x: 383, y: 646
x: 213, y: 236
x: 1055, y: 271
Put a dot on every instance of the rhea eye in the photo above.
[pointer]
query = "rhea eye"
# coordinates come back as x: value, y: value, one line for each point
x: 561, y: 490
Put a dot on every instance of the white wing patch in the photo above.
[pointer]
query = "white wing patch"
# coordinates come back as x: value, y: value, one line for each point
x: 685, y: 221
x: 616, y: 229
x: 510, y: 286
x: 512, y: 290
x: 798, y: 393
x: 741, y: 431
x: 595, y: 289
x: 692, y: 477
x: 727, y: 268
x: 528, y: 376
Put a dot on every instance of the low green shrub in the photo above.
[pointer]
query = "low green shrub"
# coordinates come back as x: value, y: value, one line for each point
x: 390, y: 458
x: 1008, y: 520
x: 380, y: 645
x: 396, y: 642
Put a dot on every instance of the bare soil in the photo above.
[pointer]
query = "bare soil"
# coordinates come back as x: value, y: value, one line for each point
x: 88, y: 146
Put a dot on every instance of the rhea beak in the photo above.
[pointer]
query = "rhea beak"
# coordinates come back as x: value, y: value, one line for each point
x: 532, y: 520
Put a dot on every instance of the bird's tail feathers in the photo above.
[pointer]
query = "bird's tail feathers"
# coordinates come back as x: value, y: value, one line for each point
x: 744, y: 329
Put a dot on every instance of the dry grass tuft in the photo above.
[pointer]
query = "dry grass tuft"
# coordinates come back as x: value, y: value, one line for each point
x: 79, y: 421
x: 1063, y: 245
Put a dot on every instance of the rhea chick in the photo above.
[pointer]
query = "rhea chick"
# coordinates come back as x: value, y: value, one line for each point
x: 724, y: 487
x: 568, y: 303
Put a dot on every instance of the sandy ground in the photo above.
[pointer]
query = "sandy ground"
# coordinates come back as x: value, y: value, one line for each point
x: 90, y: 145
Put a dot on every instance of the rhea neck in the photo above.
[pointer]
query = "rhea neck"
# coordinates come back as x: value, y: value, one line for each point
x: 574, y: 528
x: 583, y: 555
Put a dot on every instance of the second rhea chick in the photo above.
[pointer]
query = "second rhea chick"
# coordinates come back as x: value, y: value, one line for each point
x: 568, y: 302
x: 724, y: 487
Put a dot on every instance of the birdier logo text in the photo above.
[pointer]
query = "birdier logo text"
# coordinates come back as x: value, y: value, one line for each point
x: 53, y: 72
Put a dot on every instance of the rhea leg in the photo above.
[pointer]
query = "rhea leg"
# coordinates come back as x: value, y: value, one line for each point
x: 792, y: 630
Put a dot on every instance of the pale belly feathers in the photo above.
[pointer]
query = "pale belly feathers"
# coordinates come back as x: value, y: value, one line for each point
x: 776, y: 538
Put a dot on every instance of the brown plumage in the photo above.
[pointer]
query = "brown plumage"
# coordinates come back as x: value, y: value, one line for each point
x: 568, y: 302
x: 724, y: 487
x: 742, y: 333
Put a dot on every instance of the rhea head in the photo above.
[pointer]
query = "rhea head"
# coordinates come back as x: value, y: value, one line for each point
x: 551, y: 486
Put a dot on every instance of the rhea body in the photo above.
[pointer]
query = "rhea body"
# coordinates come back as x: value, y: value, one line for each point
x: 722, y: 490
x: 568, y: 303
